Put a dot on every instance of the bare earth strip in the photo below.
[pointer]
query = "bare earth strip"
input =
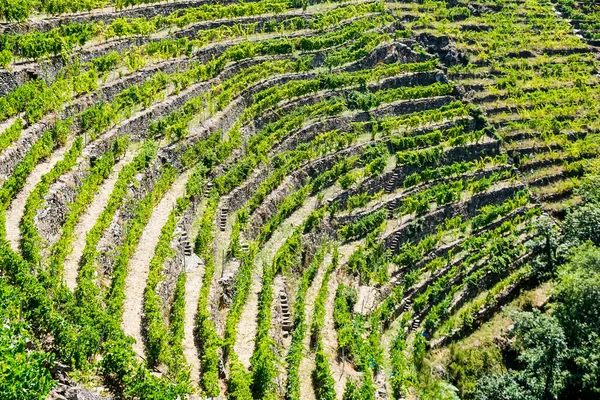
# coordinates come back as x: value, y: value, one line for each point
x: 139, y: 265
x: 193, y: 284
x: 88, y: 220
x: 16, y: 210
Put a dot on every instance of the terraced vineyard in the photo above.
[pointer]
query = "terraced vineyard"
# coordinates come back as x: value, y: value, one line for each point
x: 295, y: 200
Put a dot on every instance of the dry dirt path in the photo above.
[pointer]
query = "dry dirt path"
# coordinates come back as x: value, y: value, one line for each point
x: 16, y: 210
x: 193, y: 284
x: 135, y: 283
x: 89, y: 218
x: 307, y: 364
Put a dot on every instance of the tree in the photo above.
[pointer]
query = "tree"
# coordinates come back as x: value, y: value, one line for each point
x: 545, y: 244
x: 542, y: 350
x: 468, y: 364
x: 582, y: 224
x: 440, y: 390
x: 499, y: 387
x: 577, y: 295
x: 589, y: 189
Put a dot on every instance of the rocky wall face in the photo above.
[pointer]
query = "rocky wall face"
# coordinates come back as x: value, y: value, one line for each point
x: 400, y: 107
x: 226, y: 118
x: 113, y: 237
x: 106, y: 15
x: 241, y: 195
x: 238, y: 196
x: 486, y: 312
x: 394, y: 53
x: 9, y: 80
x: 376, y: 184
x: 174, y: 266
x: 443, y: 47
x: 426, y: 224
x: 50, y: 219
x: 13, y: 154
x: 49, y: 68
x: 407, y: 79
x: 486, y: 282
x: 292, y: 183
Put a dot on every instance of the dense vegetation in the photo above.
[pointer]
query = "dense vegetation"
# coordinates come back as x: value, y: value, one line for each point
x: 299, y: 200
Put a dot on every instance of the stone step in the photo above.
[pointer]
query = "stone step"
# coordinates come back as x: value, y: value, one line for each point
x: 394, y: 244
x: 223, y: 217
x: 391, y: 183
x: 184, y: 241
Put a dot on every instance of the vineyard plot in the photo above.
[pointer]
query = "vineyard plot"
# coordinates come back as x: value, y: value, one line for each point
x: 282, y: 199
